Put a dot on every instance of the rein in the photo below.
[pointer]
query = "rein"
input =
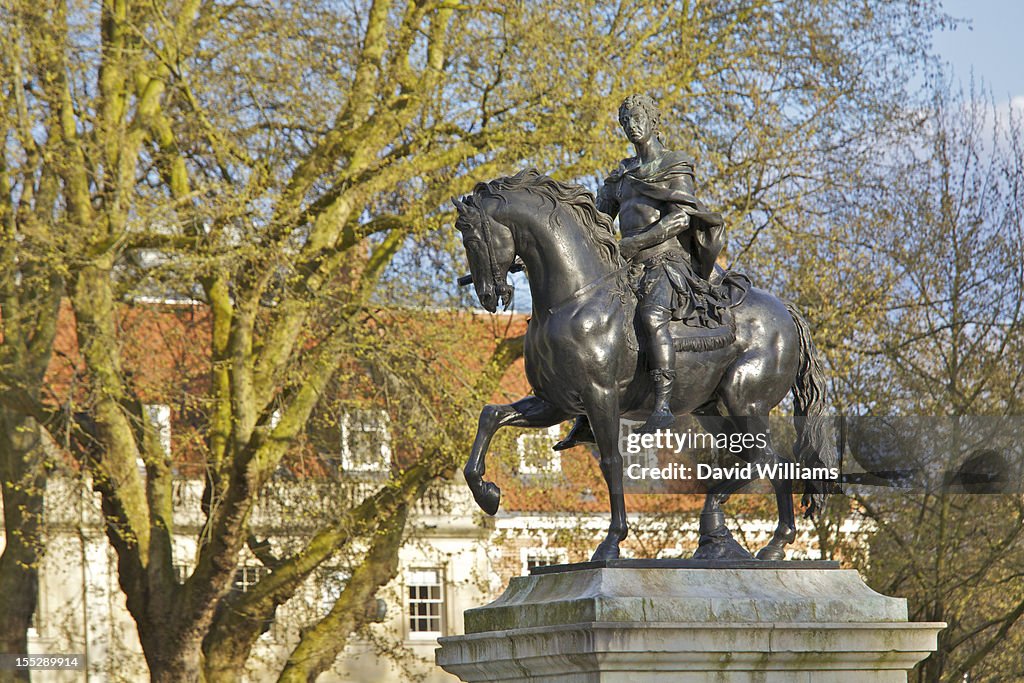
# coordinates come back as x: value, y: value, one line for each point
x: 585, y: 289
x: 501, y: 286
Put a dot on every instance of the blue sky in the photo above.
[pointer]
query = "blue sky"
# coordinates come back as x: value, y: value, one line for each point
x: 991, y: 45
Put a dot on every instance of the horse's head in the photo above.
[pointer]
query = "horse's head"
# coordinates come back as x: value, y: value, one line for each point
x: 490, y: 249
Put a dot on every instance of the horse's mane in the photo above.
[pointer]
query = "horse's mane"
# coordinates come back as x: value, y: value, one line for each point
x: 574, y: 198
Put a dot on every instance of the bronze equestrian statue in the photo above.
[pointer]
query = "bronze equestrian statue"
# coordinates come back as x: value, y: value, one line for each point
x: 744, y: 348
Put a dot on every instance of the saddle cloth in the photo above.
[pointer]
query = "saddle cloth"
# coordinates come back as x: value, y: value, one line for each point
x: 689, y: 338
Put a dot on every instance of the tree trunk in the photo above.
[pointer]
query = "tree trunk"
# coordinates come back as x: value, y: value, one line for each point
x: 173, y: 658
x: 23, y: 479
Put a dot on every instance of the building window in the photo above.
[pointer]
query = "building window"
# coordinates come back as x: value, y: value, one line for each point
x: 159, y: 417
x: 182, y: 572
x: 426, y: 603
x: 247, y: 576
x: 645, y: 458
x: 365, y: 441
x: 542, y: 557
x: 535, y: 454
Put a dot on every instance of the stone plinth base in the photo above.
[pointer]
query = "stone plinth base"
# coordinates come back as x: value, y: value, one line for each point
x: 678, y: 620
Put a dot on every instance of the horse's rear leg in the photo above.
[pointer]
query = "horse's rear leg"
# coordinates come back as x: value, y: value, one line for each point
x: 526, y: 412
x: 716, y: 541
x: 785, y: 532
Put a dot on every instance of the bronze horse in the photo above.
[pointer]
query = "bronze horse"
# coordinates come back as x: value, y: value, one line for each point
x: 580, y: 359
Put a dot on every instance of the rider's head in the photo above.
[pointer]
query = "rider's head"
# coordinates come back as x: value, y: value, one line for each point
x: 639, y: 117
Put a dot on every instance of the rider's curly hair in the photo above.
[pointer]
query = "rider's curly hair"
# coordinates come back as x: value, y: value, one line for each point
x: 645, y: 104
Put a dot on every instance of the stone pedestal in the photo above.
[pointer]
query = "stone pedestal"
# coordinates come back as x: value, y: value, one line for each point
x: 686, y: 620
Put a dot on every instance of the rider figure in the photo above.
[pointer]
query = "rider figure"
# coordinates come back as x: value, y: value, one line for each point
x: 671, y: 241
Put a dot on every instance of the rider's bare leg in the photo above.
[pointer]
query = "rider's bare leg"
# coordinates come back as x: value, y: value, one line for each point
x: 526, y: 412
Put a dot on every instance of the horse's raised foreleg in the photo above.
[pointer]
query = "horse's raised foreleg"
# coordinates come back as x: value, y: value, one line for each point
x: 602, y: 406
x: 526, y: 412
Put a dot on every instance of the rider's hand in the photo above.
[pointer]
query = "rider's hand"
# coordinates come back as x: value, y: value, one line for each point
x: 676, y: 222
x: 628, y: 248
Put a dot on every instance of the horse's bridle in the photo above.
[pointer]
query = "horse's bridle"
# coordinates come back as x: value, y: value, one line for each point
x: 502, y: 288
x: 505, y: 290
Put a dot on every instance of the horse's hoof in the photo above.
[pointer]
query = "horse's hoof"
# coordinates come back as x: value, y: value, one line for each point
x: 606, y: 551
x: 579, y: 435
x: 656, y: 422
x: 771, y: 553
x: 488, y: 496
x: 720, y: 547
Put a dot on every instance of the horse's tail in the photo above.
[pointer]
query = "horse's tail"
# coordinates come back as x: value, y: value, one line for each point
x: 815, y: 437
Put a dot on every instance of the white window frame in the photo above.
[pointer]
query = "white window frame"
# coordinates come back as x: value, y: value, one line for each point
x: 645, y: 458
x: 159, y: 416
x: 424, y: 577
x: 546, y: 557
x: 358, y: 420
x: 251, y: 575
x: 533, y: 443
